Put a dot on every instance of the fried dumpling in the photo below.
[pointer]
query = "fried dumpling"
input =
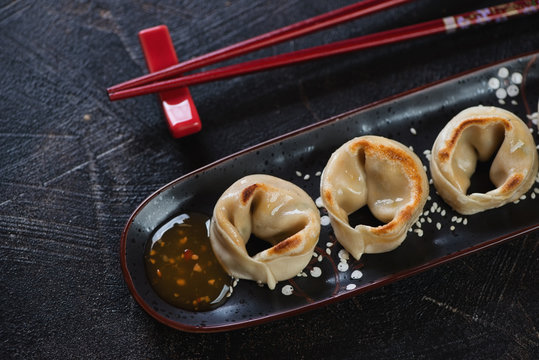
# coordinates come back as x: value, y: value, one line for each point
x: 273, y: 210
x: 479, y: 133
x: 382, y: 174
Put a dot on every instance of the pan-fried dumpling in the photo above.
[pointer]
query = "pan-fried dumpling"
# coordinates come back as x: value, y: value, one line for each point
x: 478, y: 133
x: 273, y: 210
x: 382, y: 174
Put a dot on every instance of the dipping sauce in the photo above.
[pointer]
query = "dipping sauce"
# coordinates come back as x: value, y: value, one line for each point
x: 181, y: 266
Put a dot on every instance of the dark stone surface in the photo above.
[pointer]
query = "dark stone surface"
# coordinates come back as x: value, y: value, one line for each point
x: 74, y: 166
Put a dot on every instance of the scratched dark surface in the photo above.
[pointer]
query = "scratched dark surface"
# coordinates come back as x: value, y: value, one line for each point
x: 74, y: 166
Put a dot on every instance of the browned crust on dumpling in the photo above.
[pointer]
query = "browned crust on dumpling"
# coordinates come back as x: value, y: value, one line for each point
x: 445, y: 153
x: 512, y: 183
x: 395, y: 154
x: 403, y: 216
x: 248, y: 192
x: 286, y: 245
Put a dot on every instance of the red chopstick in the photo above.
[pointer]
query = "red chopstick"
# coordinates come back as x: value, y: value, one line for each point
x: 298, y: 29
x: 447, y: 24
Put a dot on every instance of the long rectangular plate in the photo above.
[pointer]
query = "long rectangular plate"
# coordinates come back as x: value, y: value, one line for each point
x: 414, y: 119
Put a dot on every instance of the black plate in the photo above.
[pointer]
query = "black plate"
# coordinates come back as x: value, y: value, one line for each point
x: 306, y: 151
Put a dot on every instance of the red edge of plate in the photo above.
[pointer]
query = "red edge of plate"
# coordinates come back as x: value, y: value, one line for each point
x: 384, y: 281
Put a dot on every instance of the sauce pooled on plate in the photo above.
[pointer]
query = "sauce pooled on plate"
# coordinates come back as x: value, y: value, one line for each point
x: 182, y: 267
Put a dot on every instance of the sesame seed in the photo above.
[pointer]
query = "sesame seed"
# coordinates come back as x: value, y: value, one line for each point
x: 438, y: 226
x: 307, y: 177
x: 343, y: 254
x: 419, y: 232
x: 443, y: 213
x: 503, y: 72
x: 298, y: 173
x: 328, y: 251
x: 320, y: 258
x: 493, y: 83
x: 431, y: 181
x: 465, y: 221
x: 318, y: 173
x: 532, y: 196
x: 422, y: 220
x: 350, y: 286
x: 516, y: 201
x: 413, y: 131
x: 342, y: 267
x: 501, y: 94
x: 429, y: 220
x: 523, y: 197
x: 356, y: 274
x: 418, y: 224
x: 316, y: 272
x: 453, y: 219
x: 329, y: 244
x: 452, y: 228
x: 287, y: 290
x: 459, y: 220
x: 426, y: 213
x: 324, y: 220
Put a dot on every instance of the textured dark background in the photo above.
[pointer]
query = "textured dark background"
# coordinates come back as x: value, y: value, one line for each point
x: 74, y: 166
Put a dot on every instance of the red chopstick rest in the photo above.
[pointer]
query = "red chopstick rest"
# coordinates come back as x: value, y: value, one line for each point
x: 178, y: 105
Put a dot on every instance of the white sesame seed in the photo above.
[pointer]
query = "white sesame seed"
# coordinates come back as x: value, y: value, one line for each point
x: 453, y: 219
x: 298, y: 173
x: 443, y: 213
x: 501, y: 93
x: 329, y: 244
x: 342, y: 267
x: 328, y: 251
x: 514, y: 102
x: 306, y: 177
x: 465, y: 221
x: 320, y: 258
x: 343, y: 254
x: 512, y: 90
x: 350, y: 286
x: 431, y: 181
x: 419, y: 232
x: 356, y: 274
x: 429, y: 198
x: 452, y: 228
x: 459, y: 220
x: 426, y: 213
x: 523, y: 197
x: 422, y: 220
x: 324, y: 220
x: 418, y: 224
x: 287, y: 290
x: 411, y: 147
x: 316, y: 272
x: 516, y: 201
x: 503, y: 72
x: 438, y: 226
x: 532, y: 196
x: 235, y: 282
x: 413, y: 131
x: 494, y: 83
x: 429, y: 220
x: 516, y: 78
x: 318, y: 173
x: 502, y: 102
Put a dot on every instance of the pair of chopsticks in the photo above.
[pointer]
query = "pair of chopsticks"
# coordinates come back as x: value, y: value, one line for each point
x: 163, y: 80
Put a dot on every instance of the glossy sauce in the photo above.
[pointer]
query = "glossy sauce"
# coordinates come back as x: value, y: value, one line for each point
x: 181, y: 265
